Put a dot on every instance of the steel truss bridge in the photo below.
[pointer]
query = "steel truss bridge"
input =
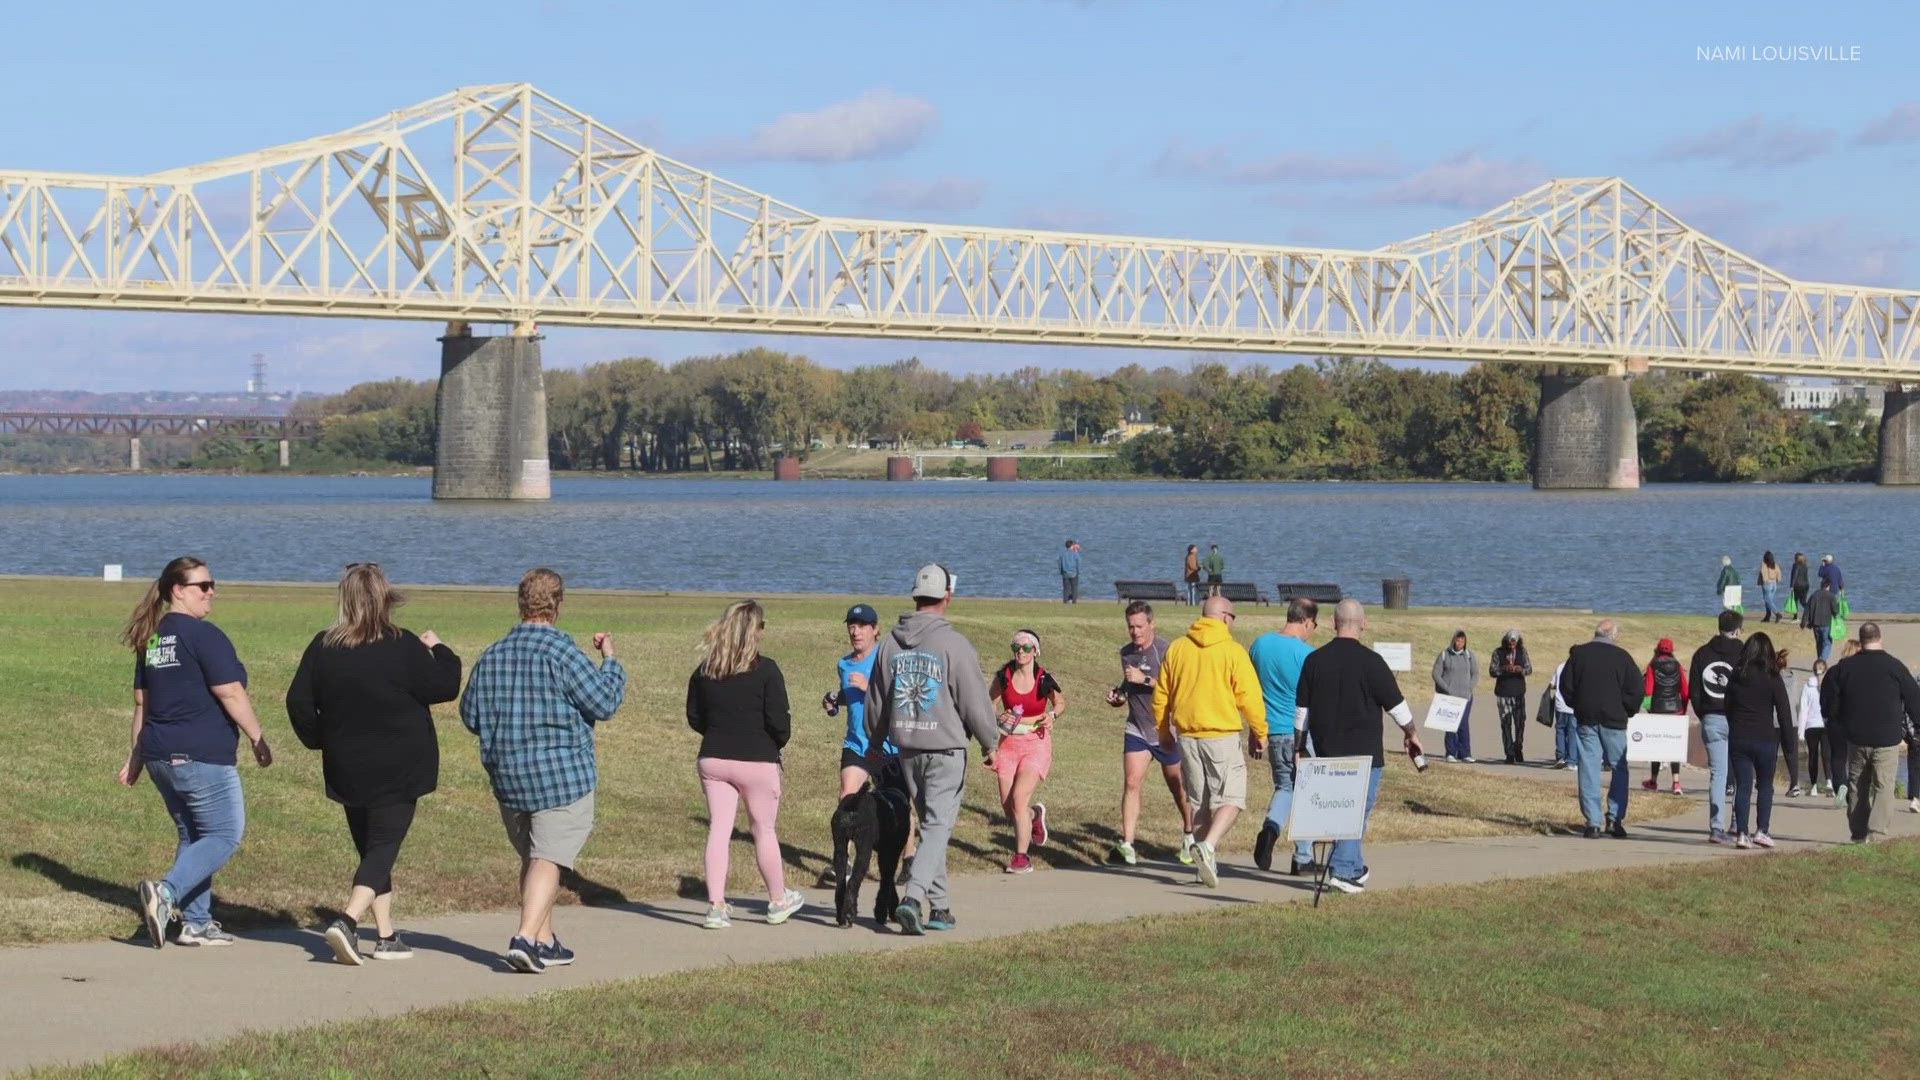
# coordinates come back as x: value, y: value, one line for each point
x: 501, y: 204
x: 159, y: 425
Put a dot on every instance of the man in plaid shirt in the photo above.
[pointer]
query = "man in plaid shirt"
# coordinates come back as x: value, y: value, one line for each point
x: 533, y: 698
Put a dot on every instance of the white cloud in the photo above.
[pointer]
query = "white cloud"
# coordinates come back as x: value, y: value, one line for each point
x: 1753, y: 141
x: 1901, y: 125
x: 1835, y: 251
x: 877, y: 124
x: 940, y: 193
x: 1466, y: 181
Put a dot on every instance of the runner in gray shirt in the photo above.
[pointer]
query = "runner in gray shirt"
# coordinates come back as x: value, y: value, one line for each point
x: 1140, y: 660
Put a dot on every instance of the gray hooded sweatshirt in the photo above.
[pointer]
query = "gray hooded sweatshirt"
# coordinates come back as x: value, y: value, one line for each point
x: 928, y: 692
x: 1454, y: 672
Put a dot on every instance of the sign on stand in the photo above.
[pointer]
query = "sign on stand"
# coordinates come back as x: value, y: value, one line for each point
x: 1329, y: 803
x: 1397, y: 654
x: 1657, y: 737
x: 1446, y: 713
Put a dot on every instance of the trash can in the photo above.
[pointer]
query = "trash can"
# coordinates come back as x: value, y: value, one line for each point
x: 1393, y: 592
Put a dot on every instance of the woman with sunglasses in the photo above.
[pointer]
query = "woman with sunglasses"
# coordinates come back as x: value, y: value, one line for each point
x: 1030, y: 701
x: 363, y: 697
x: 189, y: 698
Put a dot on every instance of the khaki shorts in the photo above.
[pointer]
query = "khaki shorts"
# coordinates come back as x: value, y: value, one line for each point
x: 555, y: 834
x: 1214, y: 772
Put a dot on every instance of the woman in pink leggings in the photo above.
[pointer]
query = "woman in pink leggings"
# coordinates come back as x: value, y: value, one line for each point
x: 737, y: 701
x: 1029, y: 702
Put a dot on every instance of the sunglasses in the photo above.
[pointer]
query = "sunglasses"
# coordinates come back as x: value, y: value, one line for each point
x: 206, y: 586
x: 358, y: 565
x: 1025, y: 648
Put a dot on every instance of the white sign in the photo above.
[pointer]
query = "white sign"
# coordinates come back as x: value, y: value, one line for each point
x: 1657, y: 737
x: 1397, y: 654
x: 1330, y: 799
x: 1730, y: 597
x: 1446, y: 712
x: 111, y: 572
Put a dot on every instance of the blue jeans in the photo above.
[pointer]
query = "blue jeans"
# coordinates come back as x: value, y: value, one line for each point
x: 1823, y: 642
x: 1598, y: 743
x: 1713, y: 732
x: 1770, y: 596
x: 1280, y: 750
x: 208, y: 810
x: 1566, y: 738
x: 1346, y: 861
x: 1460, y: 743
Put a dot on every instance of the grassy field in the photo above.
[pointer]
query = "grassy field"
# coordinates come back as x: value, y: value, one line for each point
x: 1791, y: 965
x: 77, y: 842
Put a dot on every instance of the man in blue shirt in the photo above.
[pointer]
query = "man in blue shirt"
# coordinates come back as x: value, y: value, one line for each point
x: 1277, y: 659
x: 860, y: 759
x: 533, y: 699
x: 1070, y: 574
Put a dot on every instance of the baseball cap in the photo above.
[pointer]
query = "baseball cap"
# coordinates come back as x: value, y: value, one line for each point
x: 861, y: 613
x: 933, y: 582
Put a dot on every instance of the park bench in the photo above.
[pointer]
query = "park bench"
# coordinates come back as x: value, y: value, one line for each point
x: 1240, y: 592
x: 1149, y: 590
x: 1317, y: 591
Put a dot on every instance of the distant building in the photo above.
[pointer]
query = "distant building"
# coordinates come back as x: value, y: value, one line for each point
x: 1821, y: 395
x: 1133, y: 423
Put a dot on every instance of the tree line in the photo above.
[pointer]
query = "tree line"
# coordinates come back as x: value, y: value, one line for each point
x: 1348, y: 419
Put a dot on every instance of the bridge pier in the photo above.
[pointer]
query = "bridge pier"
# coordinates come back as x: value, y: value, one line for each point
x: 1900, y: 437
x: 133, y: 453
x: 286, y: 454
x: 1587, y: 436
x: 492, y: 440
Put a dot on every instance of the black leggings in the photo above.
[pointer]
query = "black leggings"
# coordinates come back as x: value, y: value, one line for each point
x: 1816, y: 753
x: 377, y: 834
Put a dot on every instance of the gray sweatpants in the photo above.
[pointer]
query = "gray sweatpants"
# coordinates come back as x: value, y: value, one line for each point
x: 936, y: 779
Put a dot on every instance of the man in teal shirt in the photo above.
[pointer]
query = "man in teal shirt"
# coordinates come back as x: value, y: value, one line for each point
x: 1277, y: 659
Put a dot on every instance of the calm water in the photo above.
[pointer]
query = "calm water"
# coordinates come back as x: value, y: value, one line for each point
x: 1462, y: 544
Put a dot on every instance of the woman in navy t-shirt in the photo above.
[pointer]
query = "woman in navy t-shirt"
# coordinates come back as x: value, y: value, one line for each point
x: 189, y: 697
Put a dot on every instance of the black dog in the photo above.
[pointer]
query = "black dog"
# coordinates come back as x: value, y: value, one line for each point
x: 869, y: 820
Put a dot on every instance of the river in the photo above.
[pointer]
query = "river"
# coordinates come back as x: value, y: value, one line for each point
x: 1656, y: 549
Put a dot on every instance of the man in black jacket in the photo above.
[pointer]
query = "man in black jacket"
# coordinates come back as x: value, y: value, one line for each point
x: 1603, y: 685
x: 1873, y: 699
x: 1707, y: 676
x: 1822, y: 608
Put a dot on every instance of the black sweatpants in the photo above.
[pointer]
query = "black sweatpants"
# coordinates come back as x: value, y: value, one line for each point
x: 377, y: 834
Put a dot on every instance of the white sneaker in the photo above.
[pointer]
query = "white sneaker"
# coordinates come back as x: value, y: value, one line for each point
x: 205, y: 934
x: 719, y: 917
x: 1913, y: 806
x: 1206, y: 864
x: 1470, y: 761
x: 783, y: 909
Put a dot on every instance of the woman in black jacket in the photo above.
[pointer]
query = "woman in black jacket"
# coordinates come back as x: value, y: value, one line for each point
x: 1509, y: 668
x: 1759, y: 715
x: 737, y: 701
x: 362, y: 697
x: 1797, y: 581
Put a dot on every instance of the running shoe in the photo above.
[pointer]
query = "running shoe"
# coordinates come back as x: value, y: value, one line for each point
x: 1913, y: 806
x: 524, y: 956
x: 1742, y: 842
x: 1794, y: 792
x: 908, y: 916
x: 156, y: 911
x: 1617, y: 831
x: 1469, y: 760
x: 1020, y: 864
x: 1187, y: 845
x: 1450, y: 757
x: 782, y: 909
x: 396, y: 948
x: 1123, y: 852
x: 1717, y: 836
x: 719, y: 917
x: 941, y: 919
x: 1761, y: 839
x: 1347, y: 885
x: 1677, y: 789
x: 207, y: 933
x: 1650, y: 784
x: 1206, y: 863
x: 1039, y: 824
x: 1263, y: 845
x: 343, y: 937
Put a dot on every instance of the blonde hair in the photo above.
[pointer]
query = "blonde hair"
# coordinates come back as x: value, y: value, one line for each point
x: 367, y: 600
x: 1849, y: 649
x: 158, y: 600
x: 541, y: 591
x: 732, y: 643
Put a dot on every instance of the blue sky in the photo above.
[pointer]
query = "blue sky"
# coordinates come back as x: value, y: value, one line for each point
x: 1344, y: 125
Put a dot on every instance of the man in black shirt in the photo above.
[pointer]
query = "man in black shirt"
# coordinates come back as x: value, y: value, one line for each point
x: 1344, y: 687
x: 1603, y: 685
x: 1872, y: 698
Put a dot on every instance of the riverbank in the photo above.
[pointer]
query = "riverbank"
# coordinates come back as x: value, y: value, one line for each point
x: 79, y: 842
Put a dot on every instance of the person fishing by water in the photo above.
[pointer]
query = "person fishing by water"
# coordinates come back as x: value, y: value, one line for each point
x: 189, y: 703
x: 1030, y: 701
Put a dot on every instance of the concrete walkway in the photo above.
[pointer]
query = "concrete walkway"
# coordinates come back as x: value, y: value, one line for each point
x: 78, y: 1002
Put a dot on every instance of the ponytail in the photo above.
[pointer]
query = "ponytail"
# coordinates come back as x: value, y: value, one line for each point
x: 158, y: 599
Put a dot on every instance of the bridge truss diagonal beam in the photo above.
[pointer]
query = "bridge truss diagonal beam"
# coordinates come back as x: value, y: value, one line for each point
x: 501, y: 204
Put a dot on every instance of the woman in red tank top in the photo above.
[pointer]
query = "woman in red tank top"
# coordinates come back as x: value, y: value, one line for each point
x: 1030, y: 701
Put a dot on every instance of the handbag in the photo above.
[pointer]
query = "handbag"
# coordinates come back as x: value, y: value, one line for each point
x: 1837, y: 629
x: 1543, y: 714
x: 1841, y: 608
x: 1793, y: 605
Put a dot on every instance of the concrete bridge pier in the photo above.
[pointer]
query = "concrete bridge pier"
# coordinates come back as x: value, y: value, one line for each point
x: 492, y: 441
x: 1900, y: 437
x: 286, y: 454
x: 133, y: 453
x: 1587, y: 436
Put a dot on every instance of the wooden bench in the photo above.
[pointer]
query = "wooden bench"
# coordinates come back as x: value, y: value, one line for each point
x: 1240, y: 592
x: 1317, y: 591
x: 1149, y: 590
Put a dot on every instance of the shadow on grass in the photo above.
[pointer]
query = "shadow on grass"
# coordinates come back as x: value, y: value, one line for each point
x: 123, y: 895
x: 1512, y: 821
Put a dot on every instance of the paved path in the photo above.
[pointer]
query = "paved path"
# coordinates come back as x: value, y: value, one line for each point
x: 76, y: 1002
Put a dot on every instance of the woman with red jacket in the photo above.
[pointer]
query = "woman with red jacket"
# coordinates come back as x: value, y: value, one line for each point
x: 1666, y: 694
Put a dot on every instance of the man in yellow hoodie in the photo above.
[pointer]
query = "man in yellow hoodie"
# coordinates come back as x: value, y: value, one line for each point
x: 1207, y: 692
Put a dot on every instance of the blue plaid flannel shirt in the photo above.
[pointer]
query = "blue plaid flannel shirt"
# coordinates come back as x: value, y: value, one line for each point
x: 533, y: 698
